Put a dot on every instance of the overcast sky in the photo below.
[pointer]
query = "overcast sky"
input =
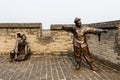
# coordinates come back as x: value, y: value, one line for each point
x: 58, y: 11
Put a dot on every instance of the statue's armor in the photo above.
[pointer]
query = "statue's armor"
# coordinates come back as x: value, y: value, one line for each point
x: 79, y: 39
x: 21, y: 46
x: 79, y: 42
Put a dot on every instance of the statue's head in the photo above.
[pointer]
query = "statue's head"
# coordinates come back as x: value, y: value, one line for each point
x: 18, y: 35
x: 77, y: 22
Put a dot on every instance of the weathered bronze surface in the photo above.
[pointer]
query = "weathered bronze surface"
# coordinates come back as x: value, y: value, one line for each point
x: 79, y: 42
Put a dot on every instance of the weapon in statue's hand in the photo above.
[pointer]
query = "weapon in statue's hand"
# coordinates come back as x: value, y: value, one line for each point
x: 99, y: 35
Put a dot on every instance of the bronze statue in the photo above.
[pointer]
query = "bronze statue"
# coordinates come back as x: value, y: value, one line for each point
x: 79, y: 42
x: 21, y: 50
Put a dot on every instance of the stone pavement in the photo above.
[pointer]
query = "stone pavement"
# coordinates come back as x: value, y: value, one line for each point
x: 53, y: 67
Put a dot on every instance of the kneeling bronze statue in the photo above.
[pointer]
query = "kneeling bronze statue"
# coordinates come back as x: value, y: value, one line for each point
x: 21, y: 51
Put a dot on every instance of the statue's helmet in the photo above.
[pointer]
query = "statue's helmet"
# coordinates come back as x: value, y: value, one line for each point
x: 76, y: 20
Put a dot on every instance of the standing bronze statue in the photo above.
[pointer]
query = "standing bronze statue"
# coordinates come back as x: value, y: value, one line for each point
x: 80, y: 44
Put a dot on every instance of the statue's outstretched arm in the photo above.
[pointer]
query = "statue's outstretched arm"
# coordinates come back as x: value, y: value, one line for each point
x: 68, y: 29
x: 96, y: 31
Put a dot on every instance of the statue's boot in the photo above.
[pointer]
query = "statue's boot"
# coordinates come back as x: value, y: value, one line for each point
x: 78, y: 66
x: 93, y: 67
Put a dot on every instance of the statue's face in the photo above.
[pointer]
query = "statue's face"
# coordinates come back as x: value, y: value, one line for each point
x: 78, y: 24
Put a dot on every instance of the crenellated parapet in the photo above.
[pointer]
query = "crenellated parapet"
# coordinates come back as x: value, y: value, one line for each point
x: 108, y: 24
x: 8, y: 33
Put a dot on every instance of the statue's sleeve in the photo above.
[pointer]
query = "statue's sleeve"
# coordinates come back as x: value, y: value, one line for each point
x: 68, y: 29
x: 92, y: 30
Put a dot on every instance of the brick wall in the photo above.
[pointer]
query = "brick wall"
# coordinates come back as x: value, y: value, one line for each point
x: 46, y: 41
x: 55, y: 42
x: 8, y: 33
x: 106, y: 50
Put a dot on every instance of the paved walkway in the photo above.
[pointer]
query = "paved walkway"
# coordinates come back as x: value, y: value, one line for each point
x: 52, y: 67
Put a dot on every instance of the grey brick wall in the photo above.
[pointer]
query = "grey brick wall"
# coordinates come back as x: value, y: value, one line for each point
x: 107, y: 50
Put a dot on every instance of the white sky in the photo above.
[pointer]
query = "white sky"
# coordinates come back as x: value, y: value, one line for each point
x: 58, y: 11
